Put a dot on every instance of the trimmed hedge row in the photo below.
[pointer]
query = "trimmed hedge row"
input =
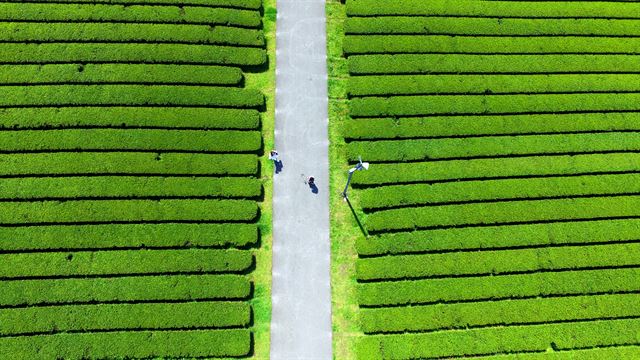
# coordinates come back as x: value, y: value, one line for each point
x: 113, y: 236
x: 616, y: 352
x: 55, y: 319
x: 498, y: 287
x: 138, y: 344
x: 376, y: 44
x: 19, y: 53
x: 498, y: 313
x: 543, y: 9
x: 243, y: 4
x: 402, y: 128
x: 489, y: 26
x: 128, y: 32
x: 501, y: 339
x: 25, y: 11
x: 56, y: 117
x: 122, y: 262
x: 488, y: 190
x: 503, y: 167
x: 128, y: 186
x: 62, y: 95
x: 497, y: 262
x: 501, y: 237
x: 487, y: 84
x: 504, y: 212
x: 127, y: 211
x: 491, y: 64
x: 491, y: 104
x: 104, y: 163
x: 134, y: 288
x: 448, y: 148
x: 228, y: 141
x: 120, y: 73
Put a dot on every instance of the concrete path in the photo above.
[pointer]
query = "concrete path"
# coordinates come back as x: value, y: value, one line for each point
x: 301, y: 293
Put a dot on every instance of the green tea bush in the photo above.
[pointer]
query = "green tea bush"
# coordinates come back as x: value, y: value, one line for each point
x: 55, y: 319
x: 497, y: 262
x: 489, y: 26
x: 131, y: 163
x: 500, y: 340
x: 108, y: 236
x: 502, y: 313
x: 455, y: 170
x: 490, y: 237
x: 129, y: 186
x: 543, y: 9
x: 414, y: 44
x: 505, y: 213
x: 243, y: 4
x: 487, y: 288
x: 491, y: 64
x: 62, y: 95
x: 58, y: 12
x: 114, y: 116
x: 441, y: 126
x: 490, y: 190
x: 130, y: 288
x: 21, y: 53
x: 455, y: 148
x: 139, y: 344
x: 128, y: 32
x: 122, y: 262
x: 228, y: 141
x: 128, y: 211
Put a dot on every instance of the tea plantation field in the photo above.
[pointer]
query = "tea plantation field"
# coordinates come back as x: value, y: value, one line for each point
x: 503, y: 196
x: 129, y: 177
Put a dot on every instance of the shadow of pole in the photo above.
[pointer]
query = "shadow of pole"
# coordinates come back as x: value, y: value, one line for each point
x: 364, y: 232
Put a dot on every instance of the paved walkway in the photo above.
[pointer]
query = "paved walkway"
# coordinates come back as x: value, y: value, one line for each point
x: 301, y: 293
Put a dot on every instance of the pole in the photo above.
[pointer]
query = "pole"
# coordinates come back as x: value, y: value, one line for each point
x: 344, y: 193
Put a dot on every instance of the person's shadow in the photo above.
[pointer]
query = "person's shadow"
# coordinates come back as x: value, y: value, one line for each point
x: 279, y: 166
x: 314, y: 188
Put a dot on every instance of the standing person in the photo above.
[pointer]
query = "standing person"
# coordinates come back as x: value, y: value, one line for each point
x: 273, y: 155
x: 311, y: 181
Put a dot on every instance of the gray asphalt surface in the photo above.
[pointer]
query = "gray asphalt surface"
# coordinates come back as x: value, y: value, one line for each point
x: 301, y: 292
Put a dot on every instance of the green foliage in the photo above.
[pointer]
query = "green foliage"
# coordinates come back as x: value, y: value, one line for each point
x: 491, y: 64
x: 129, y: 186
x: 229, y: 141
x: 204, y: 118
x: 541, y: 284
x: 29, y: 53
x: 105, y: 211
x: 491, y: 190
x: 456, y: 148
x: 389, y: 44
x: 127, y: 32
x: 502, y: 339
x: 505, y: 213
x: 25, y: 11
x: 130, y: 288
x: 123, y: 262
x: 491, y: 104
x: 491, y: 237
x: 62, y: 95
x: 132, y: 163
x: 497, y: 261
x: 139, y: 344
x: 488, y: 84
x: 241, y: 4
x: 500, y: 167
x: 489, y: 26
x: 440, y: 126
x: 123, y: 316
x: 108, y: 236
x: 543, y: 9
x: 504, y: 313
x: 120, y: 73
